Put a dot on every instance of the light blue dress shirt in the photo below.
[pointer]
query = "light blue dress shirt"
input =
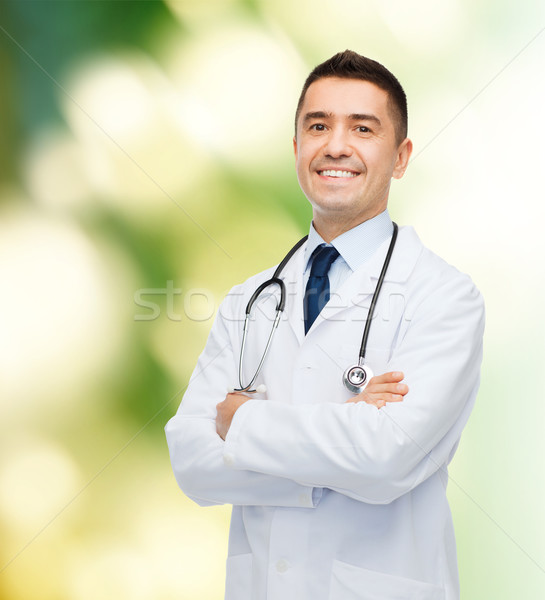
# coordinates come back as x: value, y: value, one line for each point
x: 355, y: 246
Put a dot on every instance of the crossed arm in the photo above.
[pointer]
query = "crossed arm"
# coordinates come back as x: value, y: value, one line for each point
x: 277, y: 454
x: 380, y: 390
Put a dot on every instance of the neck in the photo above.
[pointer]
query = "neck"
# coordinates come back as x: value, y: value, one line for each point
x: 331, y: 228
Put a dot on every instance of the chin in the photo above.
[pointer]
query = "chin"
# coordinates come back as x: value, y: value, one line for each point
x: 335, y: 205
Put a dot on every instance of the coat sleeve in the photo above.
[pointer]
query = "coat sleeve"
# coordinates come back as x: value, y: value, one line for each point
x: 376, y: 455
x: 196, y: 450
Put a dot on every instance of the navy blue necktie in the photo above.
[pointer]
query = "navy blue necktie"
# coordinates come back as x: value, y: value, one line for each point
x: 317, y: 292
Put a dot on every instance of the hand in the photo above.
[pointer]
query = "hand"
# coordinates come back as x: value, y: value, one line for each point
x: 226, y: 411
x: 383, y: 388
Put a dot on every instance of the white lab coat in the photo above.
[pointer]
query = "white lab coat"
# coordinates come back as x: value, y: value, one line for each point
x: 336, y: 501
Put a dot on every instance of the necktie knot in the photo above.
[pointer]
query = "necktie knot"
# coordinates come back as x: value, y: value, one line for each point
x: 324, y: 257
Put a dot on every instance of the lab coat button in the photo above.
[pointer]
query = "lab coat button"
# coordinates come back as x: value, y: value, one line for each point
x: 229, y: 460
x: 282, y: 565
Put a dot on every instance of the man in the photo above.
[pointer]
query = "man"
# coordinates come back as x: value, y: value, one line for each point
x: 339, y: 496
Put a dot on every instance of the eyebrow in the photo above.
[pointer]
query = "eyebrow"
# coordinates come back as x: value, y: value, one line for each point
x: 320, y: 114
x: 364, y: 117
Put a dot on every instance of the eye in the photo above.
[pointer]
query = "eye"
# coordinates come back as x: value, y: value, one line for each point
x: 363, y: 129
x: 318, y: 127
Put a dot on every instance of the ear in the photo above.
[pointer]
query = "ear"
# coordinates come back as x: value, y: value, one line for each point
x: 402, y: 161
x: 295, y: 146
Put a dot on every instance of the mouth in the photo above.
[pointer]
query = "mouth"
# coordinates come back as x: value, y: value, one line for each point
x: 337, y: 174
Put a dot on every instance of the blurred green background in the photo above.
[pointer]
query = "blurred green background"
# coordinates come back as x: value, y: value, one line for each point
x: 145, y: 156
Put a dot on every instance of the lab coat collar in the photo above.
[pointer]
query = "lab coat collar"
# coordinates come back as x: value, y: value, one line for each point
x: 406, y: 252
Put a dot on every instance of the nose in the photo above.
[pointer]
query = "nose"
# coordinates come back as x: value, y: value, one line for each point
x: 337, y: 144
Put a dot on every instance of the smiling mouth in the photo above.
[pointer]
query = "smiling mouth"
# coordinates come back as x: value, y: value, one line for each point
x: 339, y: 174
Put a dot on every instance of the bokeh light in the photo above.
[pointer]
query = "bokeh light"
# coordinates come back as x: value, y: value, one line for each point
x: 59, y: 317
x: 238, y: 84
x: 36, y: 477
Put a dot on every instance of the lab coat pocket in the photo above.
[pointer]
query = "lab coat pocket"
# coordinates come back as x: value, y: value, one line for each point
x: 238, y: 583
x: 349, y: 582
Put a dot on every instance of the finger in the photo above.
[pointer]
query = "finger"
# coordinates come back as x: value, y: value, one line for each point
x: 383, y: 398
x: 390, y: 392
x: 376, y: 398
x: 377, y: 403
x: 391, y: 388
x: 393, y: 398
x: 390, y: 377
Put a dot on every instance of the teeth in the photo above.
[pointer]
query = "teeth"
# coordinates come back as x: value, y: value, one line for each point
x: 331, y: 173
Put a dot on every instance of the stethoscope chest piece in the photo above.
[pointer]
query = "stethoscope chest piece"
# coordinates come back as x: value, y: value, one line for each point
x: 356, y: 378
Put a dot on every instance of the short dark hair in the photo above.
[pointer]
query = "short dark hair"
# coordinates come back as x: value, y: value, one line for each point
x: 351, y: 65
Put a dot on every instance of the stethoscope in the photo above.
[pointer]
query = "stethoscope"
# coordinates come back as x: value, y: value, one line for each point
x: 355, y: 378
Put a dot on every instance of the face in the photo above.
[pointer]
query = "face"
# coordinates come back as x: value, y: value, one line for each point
x: 346, y: 151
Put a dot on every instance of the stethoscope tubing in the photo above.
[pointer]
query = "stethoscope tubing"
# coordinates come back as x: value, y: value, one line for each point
x: 279, y: 310
x: 274, y: 280
x: 363, y: 347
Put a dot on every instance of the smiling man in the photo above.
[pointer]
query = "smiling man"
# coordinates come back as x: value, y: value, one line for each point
x: 345, y: 159
x: 338, y: 489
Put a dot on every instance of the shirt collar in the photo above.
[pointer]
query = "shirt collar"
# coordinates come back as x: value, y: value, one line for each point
x: 357, y: 245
